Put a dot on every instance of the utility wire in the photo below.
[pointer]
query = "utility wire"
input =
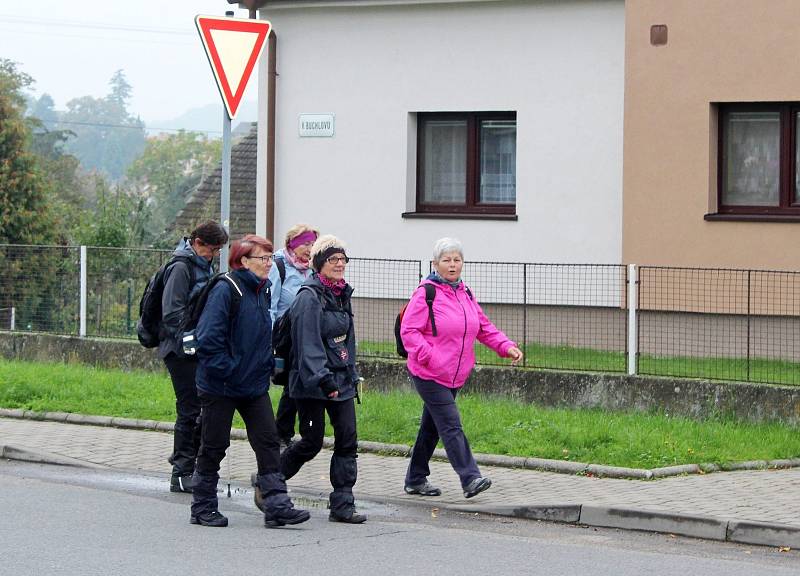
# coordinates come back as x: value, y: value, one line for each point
x: 101, y: 125
x: 94, y: 25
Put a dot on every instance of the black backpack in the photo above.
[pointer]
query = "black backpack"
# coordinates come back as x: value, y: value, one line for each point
x: 282, y: 344
x: 148, y: 327
x: 194, y: 309
x: 430, y: 295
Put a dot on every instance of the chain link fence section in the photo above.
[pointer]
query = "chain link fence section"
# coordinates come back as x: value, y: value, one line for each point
x: 39, y: 289
x: 722, y: 324
x: 381, y: 287
x: 115, y: 281
x: 576, y: 316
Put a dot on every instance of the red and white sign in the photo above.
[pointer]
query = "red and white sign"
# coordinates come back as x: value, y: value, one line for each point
x: 233, y: 46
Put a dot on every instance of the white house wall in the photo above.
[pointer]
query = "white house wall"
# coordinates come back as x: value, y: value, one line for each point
x: 559, y: 65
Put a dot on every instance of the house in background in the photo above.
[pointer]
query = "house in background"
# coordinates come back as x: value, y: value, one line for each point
x: 712, y: 112
x: 498, y: 122
x: 204, y: 202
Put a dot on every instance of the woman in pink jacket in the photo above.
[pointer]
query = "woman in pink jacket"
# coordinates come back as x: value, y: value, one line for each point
x: 440, y: 364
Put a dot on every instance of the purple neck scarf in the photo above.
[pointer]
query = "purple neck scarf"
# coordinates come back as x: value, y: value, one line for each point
x: 336, y: 286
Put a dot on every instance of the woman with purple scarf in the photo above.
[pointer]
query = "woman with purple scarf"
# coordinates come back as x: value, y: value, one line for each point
x: 323, y: 377
x: 292, y: 268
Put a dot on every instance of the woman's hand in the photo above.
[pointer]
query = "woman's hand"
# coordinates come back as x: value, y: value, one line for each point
x: 334, y: 394
x: 515, y: 354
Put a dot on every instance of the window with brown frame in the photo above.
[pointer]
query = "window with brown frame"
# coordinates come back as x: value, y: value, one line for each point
x: 758, y: 159
x: 467, y: 163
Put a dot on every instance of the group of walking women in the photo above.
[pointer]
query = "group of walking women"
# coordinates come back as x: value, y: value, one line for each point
x: 306, y: 280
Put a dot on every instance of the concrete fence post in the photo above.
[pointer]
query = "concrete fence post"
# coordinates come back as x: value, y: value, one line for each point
x: 633, y: 305
x: 82, y: 329
x: 13, y: 318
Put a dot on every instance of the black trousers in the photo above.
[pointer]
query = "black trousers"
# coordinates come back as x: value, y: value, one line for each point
x: 285, y: 415
x: 440, y: 419
x: 217, y: 418
x: 186, y: 439
x: 343, y: 471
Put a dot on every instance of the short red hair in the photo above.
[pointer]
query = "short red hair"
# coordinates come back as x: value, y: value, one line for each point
x: 245, y: 247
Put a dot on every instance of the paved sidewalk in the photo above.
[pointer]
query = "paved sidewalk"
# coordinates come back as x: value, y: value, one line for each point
x: 757, y: 506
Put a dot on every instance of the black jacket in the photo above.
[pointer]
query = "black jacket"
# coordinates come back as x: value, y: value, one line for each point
x: 181, y: 280
x: 323, y: 343
x: 235, y: 358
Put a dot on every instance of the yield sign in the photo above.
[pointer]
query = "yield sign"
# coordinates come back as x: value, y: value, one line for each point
x: 233, y: 47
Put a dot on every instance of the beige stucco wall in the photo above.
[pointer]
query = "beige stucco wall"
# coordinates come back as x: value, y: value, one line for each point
x: 718, y: 51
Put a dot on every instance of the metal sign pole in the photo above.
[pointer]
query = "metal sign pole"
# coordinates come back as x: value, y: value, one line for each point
x: 225, y: 196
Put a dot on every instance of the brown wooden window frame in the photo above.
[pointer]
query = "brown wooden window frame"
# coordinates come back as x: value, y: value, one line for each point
x: 471, y: 206
x: 787, y: 205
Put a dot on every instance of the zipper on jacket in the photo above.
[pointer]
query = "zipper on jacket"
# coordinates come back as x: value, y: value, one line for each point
x: 463, y: 337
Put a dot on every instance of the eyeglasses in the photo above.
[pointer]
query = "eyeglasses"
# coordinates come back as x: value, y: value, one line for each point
x: 264, y: 259
x: 333, y: 260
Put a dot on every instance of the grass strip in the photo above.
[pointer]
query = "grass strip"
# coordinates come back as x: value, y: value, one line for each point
x: 493, y: 425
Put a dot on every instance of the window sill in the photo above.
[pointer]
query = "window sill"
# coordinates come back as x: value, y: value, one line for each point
x: 752, y: 217
x: 457, y: 216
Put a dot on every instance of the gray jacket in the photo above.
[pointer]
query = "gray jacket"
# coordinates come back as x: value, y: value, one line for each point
x: 181, y: 282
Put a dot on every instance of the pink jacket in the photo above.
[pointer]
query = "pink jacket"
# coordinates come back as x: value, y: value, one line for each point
x: 447, y: 358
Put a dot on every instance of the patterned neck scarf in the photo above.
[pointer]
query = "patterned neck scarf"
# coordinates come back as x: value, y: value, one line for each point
x: 336, y: 286
x: 292, y: 258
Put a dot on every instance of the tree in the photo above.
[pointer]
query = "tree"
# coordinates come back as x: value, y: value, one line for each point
x: 107, y: 136
x: 166, y: 173
x: 25, y: 216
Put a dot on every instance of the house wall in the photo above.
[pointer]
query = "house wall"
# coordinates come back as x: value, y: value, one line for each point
x: 558, y: 64
x: 717, y: 51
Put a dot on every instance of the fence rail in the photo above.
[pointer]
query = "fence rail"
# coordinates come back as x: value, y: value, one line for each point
x: 707, y: 323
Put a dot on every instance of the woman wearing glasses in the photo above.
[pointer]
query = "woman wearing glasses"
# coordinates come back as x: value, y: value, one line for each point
x: 323, y: 375
x: 234, y: 366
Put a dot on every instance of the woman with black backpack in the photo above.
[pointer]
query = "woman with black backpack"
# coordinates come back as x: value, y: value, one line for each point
x: 323, y: 377
x: 234, y: 351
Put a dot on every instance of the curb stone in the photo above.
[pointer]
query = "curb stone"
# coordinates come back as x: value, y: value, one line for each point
x: 544, y: 464
x: 14, y: 453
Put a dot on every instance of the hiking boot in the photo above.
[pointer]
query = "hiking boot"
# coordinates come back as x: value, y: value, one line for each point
x: 213, y: 518
x: 476, y: 487
x: 285, y: 517
x: 352, y: 518
x: 424, y: 489
x: 258, y: 495
x: 181, y: 483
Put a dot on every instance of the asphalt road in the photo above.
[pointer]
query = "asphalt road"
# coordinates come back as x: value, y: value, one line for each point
x: 62, y: 520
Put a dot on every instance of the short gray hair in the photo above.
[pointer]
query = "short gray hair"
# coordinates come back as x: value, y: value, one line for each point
x: 445, y: 245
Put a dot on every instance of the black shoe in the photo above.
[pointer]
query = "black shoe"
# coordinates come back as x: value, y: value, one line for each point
x: 476, y: 487
x: 424, y: 489
x: 353, y: 518
x: 181, y: 483
x: 290, y: 517
x: 213, y: 518
x: 258, y: 496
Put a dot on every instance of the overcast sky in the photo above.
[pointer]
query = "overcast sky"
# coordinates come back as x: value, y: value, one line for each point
x: 73, y: 47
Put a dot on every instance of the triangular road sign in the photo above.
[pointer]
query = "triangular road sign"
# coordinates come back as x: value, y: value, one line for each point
x: 233, y: 46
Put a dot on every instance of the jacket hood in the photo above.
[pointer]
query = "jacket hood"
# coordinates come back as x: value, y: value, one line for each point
x: 184, y: 248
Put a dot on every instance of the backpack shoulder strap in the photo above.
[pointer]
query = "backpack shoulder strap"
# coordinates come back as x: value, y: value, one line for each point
x: 237, y: 297
x: 281, y: 264
x: 469, y: 292
x: 430, y: 295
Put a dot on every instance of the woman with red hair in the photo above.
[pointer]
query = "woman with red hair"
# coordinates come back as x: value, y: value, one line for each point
x: 234, y: 351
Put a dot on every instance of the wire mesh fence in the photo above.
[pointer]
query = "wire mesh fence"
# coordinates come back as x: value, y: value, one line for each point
x: 115, y: 281
x: 39, y: 288
x: 691, y: 322
x: 720, y: 324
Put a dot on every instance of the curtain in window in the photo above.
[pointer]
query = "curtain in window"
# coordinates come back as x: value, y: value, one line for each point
x: 752, y: 153
x: 444, y: 172
x: 498, y: 162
